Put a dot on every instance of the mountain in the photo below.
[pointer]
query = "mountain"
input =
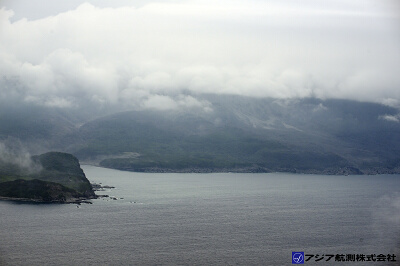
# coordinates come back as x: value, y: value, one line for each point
x: 42, y: 128
x: 249, y: 135
x: 50, y: 177
x: 236, y: 133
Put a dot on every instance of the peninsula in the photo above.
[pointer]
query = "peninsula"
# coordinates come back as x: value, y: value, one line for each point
x: 51, y: 177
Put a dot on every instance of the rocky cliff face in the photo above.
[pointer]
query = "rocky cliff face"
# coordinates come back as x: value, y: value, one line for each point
x: 38, y: 190
x: 64, y: 168
x: 57, y: 178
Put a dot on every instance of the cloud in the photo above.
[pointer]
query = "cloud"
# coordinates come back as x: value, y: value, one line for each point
x: 13, y: 152
x: 320, y: 108
x: 156, y: 55
x: 165, y: 102
x: 391, y: 118
x: 160, y: 102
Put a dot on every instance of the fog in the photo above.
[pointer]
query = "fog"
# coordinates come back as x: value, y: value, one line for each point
x: 13, y: 152
x: 160, y: 55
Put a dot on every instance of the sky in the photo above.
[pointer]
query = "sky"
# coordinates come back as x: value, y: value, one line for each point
x: 163, y: 54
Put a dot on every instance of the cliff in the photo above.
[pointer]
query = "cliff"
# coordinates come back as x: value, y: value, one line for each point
x: 56, y: 177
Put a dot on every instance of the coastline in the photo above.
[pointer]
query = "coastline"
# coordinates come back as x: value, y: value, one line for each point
x: 344, y: 171
x: 69, y: 201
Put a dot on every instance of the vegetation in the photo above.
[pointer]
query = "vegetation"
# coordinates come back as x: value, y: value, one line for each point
x: 308, y: 136
x: 239, y: 134
x: 53, y: 177
x: 37, y: 190
x: 63, y: 168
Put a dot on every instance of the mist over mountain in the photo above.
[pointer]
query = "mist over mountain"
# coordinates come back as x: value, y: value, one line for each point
x: 205, y: 86
x: 235, y: 133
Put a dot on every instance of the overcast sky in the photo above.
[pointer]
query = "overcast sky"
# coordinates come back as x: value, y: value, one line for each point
x: 162, y: 54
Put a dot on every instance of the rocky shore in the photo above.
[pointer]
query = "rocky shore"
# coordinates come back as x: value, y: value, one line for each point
x: 41, y: 192
x: 68, y: 201
x: 57, y: 178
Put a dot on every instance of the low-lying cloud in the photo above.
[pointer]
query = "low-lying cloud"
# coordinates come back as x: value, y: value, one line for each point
x: 391, y: 118
x: 162, y: 54
x: 13, y: 152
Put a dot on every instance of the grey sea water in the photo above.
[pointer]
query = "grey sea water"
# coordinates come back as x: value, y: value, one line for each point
x: 208, y: 219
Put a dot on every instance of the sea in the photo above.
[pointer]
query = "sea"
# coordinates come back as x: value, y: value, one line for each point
x: 211, y: 219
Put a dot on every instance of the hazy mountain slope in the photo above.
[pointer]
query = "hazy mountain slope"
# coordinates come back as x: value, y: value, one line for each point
x: 245, y: 134
x: 40, y: 129
x: 307, y: 135
x: 354, y: 130
x: 43, y: 128
x: 238, y: 134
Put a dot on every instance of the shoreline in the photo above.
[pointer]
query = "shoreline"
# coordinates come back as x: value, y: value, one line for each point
x: 345, y: 171
x: 69, y: 201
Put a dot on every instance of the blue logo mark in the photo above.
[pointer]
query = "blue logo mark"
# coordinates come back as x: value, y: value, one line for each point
x: 297, y: 257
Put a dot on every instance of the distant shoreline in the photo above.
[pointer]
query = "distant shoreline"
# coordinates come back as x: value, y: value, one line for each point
x: 249, y: 170
x: 27, y: 200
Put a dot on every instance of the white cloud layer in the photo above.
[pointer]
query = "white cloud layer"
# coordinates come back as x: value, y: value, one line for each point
x: 156, y: 55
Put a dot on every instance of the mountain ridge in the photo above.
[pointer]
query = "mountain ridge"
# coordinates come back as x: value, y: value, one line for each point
x: 242, y: 134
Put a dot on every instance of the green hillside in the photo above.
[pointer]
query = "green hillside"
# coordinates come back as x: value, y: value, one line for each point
x: 236, y: 133
x: 157, y: 147
x: 53, y: 176
x: 250, y: 135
